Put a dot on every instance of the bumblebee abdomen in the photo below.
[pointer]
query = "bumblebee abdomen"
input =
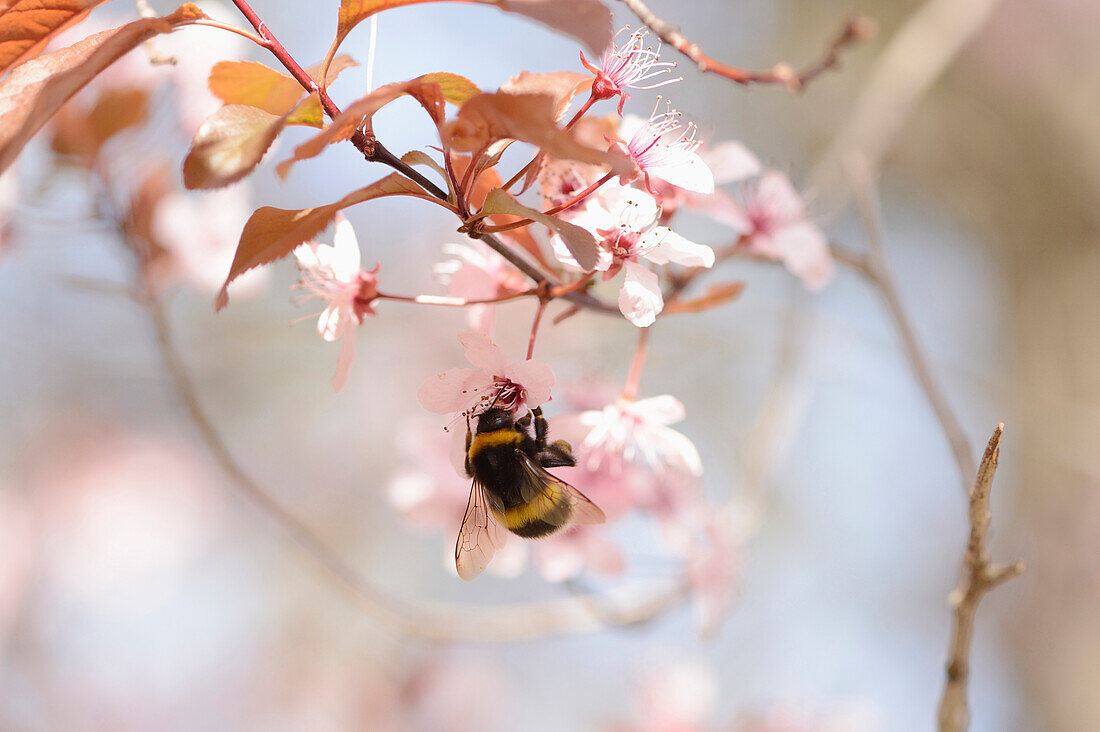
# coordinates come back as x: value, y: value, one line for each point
x: 544, y: 514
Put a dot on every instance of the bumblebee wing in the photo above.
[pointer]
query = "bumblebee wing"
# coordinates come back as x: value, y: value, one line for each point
x: 479, y: 536
x: 559, y: 503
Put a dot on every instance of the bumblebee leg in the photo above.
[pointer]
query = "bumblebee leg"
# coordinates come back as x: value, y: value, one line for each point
x: 466, y: 455
x: 523, y: 422
x: 558, y: 454
x: 541, y: 428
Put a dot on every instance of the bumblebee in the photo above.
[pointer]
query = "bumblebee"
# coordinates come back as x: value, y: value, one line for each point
x: 512, y: 489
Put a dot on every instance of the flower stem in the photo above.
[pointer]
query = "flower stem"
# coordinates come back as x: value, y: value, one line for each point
x: 630, y: 389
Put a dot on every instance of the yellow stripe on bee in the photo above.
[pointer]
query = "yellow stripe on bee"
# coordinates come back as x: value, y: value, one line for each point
x: 547, y: 503
x: 496, y: 438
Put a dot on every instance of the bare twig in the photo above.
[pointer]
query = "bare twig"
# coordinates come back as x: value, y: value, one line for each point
x: 915, y: 58
x: 430, y: 622
x: 979, y: 576
x: 856, y: 28
x: 873, y: 266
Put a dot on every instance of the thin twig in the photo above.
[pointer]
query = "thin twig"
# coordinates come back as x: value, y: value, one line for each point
x: 873, y: 266
x: 979, y: 576
x: 856, y: 28
x: 915, y: 58
x: 430, y: 622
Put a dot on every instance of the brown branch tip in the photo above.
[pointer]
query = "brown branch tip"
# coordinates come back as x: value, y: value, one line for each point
x: 856, y: 28
x: 979, y: 576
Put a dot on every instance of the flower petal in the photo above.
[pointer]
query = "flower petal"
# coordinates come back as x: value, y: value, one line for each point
x: 721, y: 207
x: 536, y: 378
x: 778, y: 197
x: 805, y: 252
x: 730, y: 162
x: 671, y: 247
x: 454, y: 390
x: 343, y: 364
x: 483, y: 353
x: 640, y: 297
x: 688, y: 171
x: 664, y: 409
x: 344, y: 253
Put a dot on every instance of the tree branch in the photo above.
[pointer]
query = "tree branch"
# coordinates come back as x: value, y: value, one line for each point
x: 855, y: 28
x: 588, y: 613
x: 873, y: 266
x: 979, y: 576
x: 372, y: 150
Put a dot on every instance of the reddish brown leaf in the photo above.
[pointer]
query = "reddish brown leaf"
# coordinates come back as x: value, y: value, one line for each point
x: 361, y: 111
x: 228, y: 145
x: 528, y: 118
x: 81, y: 132
x: 586, y: 20
x: 580, y: 243
x: 561, y: 85
x: 273, y: 233
x: 27, y: 26
x: 34, y: 90
x: 717, y: 294
x: 260, y: 86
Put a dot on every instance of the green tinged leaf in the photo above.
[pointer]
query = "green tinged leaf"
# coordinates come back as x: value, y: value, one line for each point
x: 456, y: 89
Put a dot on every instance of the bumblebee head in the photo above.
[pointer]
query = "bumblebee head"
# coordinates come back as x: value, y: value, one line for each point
x: 494, y: 419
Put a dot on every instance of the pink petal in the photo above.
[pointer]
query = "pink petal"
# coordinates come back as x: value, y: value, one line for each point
x: 671, y: 247
x: 640, y: 297
x: 776, y: 194
x: 344, y: 253
x: 343, y: 364
x: 805, y: 251
x: 536, y: 378
x: 481, y: 352
x: 730, y: 162
x: 664, y: 409
x: 454, y: 390
x: 721, y: 207
x: 688, y: 171
x: 678, y: 451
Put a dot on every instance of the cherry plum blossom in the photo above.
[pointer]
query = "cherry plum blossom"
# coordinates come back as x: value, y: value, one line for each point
x: 624, y: 221
x: 773, y: 224
x: 478, y: 273
x: 628, y: 66
x: 493, y: 380
x: 665, y: 149
x: 332, y: 274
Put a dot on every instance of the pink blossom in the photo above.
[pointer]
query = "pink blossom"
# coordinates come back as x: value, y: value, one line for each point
x: 478, y: 273
x: 773, y: 224
x: 566, y: 554
x: 714, y: 567
x: 624, y: 222
x: 676, y: 695
x: 560, y: 180
x: 494, y: 380
x: 200, y: 230
x: 630, y: 445
x: 663, y: 148
x: 332, y: 274
x: 730, y: 162
x: 627, y: 67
